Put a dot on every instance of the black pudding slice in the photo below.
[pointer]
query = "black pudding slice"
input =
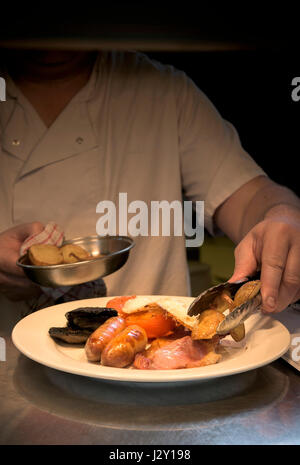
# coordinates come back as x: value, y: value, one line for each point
x: 89, y: 317
x: 71, y: 336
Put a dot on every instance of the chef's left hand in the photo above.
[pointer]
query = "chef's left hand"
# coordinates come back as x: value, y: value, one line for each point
x: 273, y: 246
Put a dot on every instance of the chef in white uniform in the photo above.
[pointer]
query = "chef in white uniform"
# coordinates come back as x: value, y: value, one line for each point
x: 88, y: 126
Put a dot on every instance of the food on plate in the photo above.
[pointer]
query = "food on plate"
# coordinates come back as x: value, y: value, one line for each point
x: 174, y: 308
x: 69, y: 335
x: 74, y: 253
x: 121, y: 350
x: 45, y: 255
x: 170, y: 331
x: 208, y: 322
x: 154, y: 319
x: 81, y: 323
x: 221, y: 298
x: 102, y: 336
x: 223, y: 301
x: 153, y: 333
x: 238, y: 333
x: 89, y: 317
x: 179, y: 353
x: 118, y: 302
x: 244, y: 293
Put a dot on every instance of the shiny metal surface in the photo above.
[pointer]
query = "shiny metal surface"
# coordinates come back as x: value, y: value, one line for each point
x: 202, y: 301
x: 239, y: 315
x: 114, y: 252
x: 40, y: 405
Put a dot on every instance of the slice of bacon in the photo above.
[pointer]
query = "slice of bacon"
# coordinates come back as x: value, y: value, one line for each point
x: 180, y: 353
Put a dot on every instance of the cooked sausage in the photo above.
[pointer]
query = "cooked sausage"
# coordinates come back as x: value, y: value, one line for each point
x: 121, y: 350
x: 102, y: 336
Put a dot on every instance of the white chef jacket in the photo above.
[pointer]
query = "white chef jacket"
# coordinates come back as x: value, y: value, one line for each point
x: 138, y: 127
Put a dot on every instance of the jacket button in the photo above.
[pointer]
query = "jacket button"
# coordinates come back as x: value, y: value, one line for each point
x: 79, y: 140
x: 16, y: 142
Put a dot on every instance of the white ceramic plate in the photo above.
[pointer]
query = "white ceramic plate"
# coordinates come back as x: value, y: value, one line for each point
x: 266, y: 340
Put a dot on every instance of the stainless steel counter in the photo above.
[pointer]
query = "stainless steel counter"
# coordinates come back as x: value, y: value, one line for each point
x: 39, y: 405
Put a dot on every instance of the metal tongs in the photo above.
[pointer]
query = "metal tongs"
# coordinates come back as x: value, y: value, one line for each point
x: 237, y: 316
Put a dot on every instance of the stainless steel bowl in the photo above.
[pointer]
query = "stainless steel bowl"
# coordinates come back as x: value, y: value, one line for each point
x: 114, y: 252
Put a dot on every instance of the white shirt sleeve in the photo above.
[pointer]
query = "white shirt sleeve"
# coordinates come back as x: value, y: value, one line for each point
x: 213, y: 162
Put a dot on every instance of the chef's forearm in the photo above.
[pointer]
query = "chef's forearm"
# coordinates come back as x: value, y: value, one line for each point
x: 270, y: 201
x: 253, y: 202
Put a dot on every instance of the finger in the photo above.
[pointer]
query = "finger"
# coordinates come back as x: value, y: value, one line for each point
x: 296, y: 298
x: 9, y: 264
x: 290, y: 283
x: 23, y: 231
x: 273, y: 260
x: 245, y: 259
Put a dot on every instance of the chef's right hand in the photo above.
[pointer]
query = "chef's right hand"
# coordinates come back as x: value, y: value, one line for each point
x: 13, y: 282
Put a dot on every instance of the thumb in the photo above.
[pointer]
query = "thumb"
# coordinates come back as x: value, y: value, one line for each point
x: 245, y: 260
x: 23, y: 231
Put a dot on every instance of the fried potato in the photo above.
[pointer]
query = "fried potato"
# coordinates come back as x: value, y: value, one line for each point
x: 74, y: 253
x: 211, y: 358
x: 45, y: 255
x: 207, y: 324
x: 247, y: 292
x: 223, y: 302
x: 238, y: 333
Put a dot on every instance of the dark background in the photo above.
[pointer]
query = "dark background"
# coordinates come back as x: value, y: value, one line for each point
x: 245, y: 61
x: 252, y: 89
